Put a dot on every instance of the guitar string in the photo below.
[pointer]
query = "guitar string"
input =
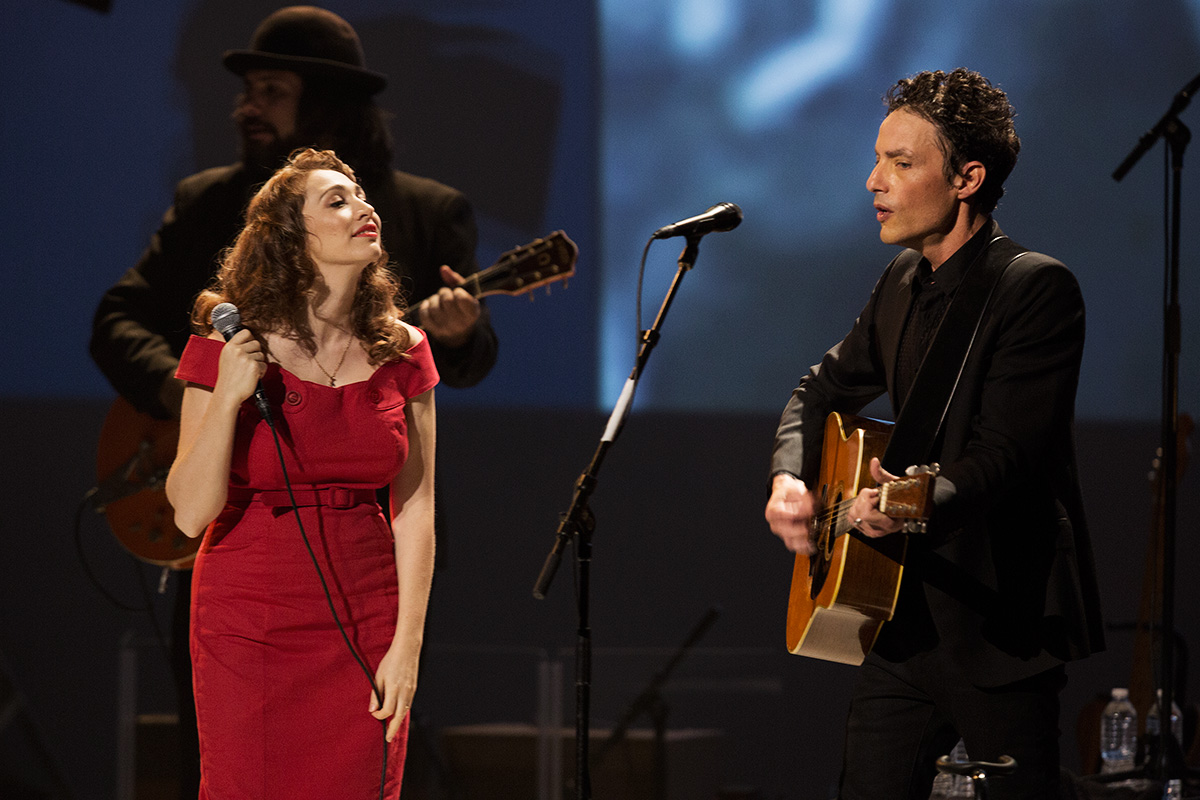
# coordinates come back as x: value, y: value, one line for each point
x: 833, y: 511
x: 836, y: 509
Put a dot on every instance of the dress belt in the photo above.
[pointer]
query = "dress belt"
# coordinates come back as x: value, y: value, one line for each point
x: 328, y: 496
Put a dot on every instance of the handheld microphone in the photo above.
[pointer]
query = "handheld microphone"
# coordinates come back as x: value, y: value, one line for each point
x: 227, y: 321
x: 721, y: 217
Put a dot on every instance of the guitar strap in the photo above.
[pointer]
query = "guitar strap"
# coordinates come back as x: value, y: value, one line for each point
x: 920, y: 420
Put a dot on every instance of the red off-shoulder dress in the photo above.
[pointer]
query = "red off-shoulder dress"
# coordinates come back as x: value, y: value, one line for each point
x: 281, y: 703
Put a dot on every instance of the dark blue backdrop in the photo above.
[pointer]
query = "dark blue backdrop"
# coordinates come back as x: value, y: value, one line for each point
x: 609, y: 120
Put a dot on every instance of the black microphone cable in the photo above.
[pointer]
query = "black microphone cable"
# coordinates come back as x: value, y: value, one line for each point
x: 227, y: 320
x: 329, y: 601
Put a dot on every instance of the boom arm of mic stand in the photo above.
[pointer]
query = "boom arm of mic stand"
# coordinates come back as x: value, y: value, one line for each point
x: 652, y: 693
x: 576, y: 518
x: 1160, y: 128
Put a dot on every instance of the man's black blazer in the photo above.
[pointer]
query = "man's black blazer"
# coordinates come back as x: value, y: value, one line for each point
x: 1004, y: 580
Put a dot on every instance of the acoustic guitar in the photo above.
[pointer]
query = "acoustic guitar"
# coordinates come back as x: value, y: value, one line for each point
x: 842, y: 594
x: 135, y: 451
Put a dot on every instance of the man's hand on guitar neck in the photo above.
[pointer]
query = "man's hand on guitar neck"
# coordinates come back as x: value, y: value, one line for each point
x: 450, y: 315
x: 790, y: 512
x: 865, y: 513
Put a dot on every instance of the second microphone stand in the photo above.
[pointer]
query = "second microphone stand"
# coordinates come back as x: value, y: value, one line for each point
x: 577, y: 525
x: 1164, y: 760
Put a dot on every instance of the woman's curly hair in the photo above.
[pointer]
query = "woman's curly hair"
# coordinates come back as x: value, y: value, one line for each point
x: 975, y: 121
x: 271, y: 278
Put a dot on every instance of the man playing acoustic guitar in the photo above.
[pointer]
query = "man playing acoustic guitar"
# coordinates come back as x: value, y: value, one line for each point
x: 978, y: 343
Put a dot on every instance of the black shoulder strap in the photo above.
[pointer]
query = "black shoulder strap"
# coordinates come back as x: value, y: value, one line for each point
x: 924, y: 411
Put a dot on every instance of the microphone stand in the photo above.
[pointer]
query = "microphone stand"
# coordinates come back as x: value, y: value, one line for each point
x: 1164, y: 760
x: 577, y: 525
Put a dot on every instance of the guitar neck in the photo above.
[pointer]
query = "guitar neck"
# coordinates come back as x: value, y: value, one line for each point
x: 908, y: 499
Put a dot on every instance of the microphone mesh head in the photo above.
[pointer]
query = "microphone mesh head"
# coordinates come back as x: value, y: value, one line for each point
x: 731, y: 217
x: 226, y: 319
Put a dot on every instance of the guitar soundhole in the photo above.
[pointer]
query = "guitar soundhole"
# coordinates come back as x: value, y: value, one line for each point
x: 818, y: 563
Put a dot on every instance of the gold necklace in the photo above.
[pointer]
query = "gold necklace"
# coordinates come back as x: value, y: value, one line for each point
x: 332, y: 377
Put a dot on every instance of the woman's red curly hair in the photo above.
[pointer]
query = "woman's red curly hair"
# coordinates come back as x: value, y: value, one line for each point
x: 271, y: 278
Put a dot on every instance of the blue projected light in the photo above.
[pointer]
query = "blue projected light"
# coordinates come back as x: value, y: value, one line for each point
x: 672, y: 106
x: 775, y: 105
x: 700, y: 27
x: 778, y: 84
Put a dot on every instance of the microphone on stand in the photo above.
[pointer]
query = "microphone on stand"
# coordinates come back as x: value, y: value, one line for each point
x: 227, y: 321
x: 721, y: 217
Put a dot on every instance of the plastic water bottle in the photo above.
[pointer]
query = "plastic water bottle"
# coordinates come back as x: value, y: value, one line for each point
x: 961, y: 787
x: 1118, y: 733
x: 947, y: 785
x: 1154, y: 723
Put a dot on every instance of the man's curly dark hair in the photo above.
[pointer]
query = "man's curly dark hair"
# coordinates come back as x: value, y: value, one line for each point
x: 975, y: 121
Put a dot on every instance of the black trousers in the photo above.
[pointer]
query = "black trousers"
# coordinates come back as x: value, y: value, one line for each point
x: 904, y: 716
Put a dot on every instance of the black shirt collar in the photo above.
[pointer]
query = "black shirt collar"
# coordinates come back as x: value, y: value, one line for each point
x: 950, y: 274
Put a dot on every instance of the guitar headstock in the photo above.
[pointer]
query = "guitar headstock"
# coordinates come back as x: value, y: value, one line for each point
x: 541, y: 262
x: 1183, y: 432
x: 910, y: 498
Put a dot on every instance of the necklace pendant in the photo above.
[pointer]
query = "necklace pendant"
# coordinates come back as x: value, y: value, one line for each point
x: 332, y: 382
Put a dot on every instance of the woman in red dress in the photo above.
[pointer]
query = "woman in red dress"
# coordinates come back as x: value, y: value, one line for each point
x: 309, y: 598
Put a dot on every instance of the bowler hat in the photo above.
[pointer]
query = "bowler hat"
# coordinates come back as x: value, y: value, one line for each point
x: 312, y: 42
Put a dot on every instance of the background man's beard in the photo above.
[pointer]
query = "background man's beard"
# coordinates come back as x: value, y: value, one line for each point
x: 267, y: 155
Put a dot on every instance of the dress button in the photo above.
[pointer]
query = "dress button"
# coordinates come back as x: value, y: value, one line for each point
x: 374, y: 396
x: 292, y: 398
